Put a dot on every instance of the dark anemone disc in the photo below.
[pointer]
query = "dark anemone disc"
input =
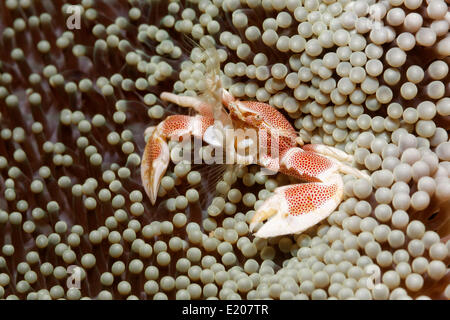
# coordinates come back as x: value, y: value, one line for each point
x: 46, y: 21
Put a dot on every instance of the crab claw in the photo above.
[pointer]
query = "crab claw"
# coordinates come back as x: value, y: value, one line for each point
x: 295, y: 208
x: 154, y: 164
x: 155, y: 159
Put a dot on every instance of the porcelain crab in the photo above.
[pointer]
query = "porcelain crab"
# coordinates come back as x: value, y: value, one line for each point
x: 290, y: 209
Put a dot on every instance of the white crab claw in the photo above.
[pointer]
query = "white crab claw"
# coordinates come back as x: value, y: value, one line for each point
x: 154, y: 164
x: 295, y: 208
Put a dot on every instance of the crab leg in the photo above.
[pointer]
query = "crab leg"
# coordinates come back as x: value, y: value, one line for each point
x: 195, y: 103
x: 200, y: 105
x: 329, y: 151
x: 156, y: 153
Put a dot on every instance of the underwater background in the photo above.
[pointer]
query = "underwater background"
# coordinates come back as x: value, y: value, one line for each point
x: 79, y: 85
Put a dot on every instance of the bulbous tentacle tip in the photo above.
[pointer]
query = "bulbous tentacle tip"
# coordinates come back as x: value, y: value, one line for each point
x: 154, y: 165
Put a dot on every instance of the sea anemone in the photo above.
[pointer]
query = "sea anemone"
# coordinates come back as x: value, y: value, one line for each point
x: 80, y: 83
